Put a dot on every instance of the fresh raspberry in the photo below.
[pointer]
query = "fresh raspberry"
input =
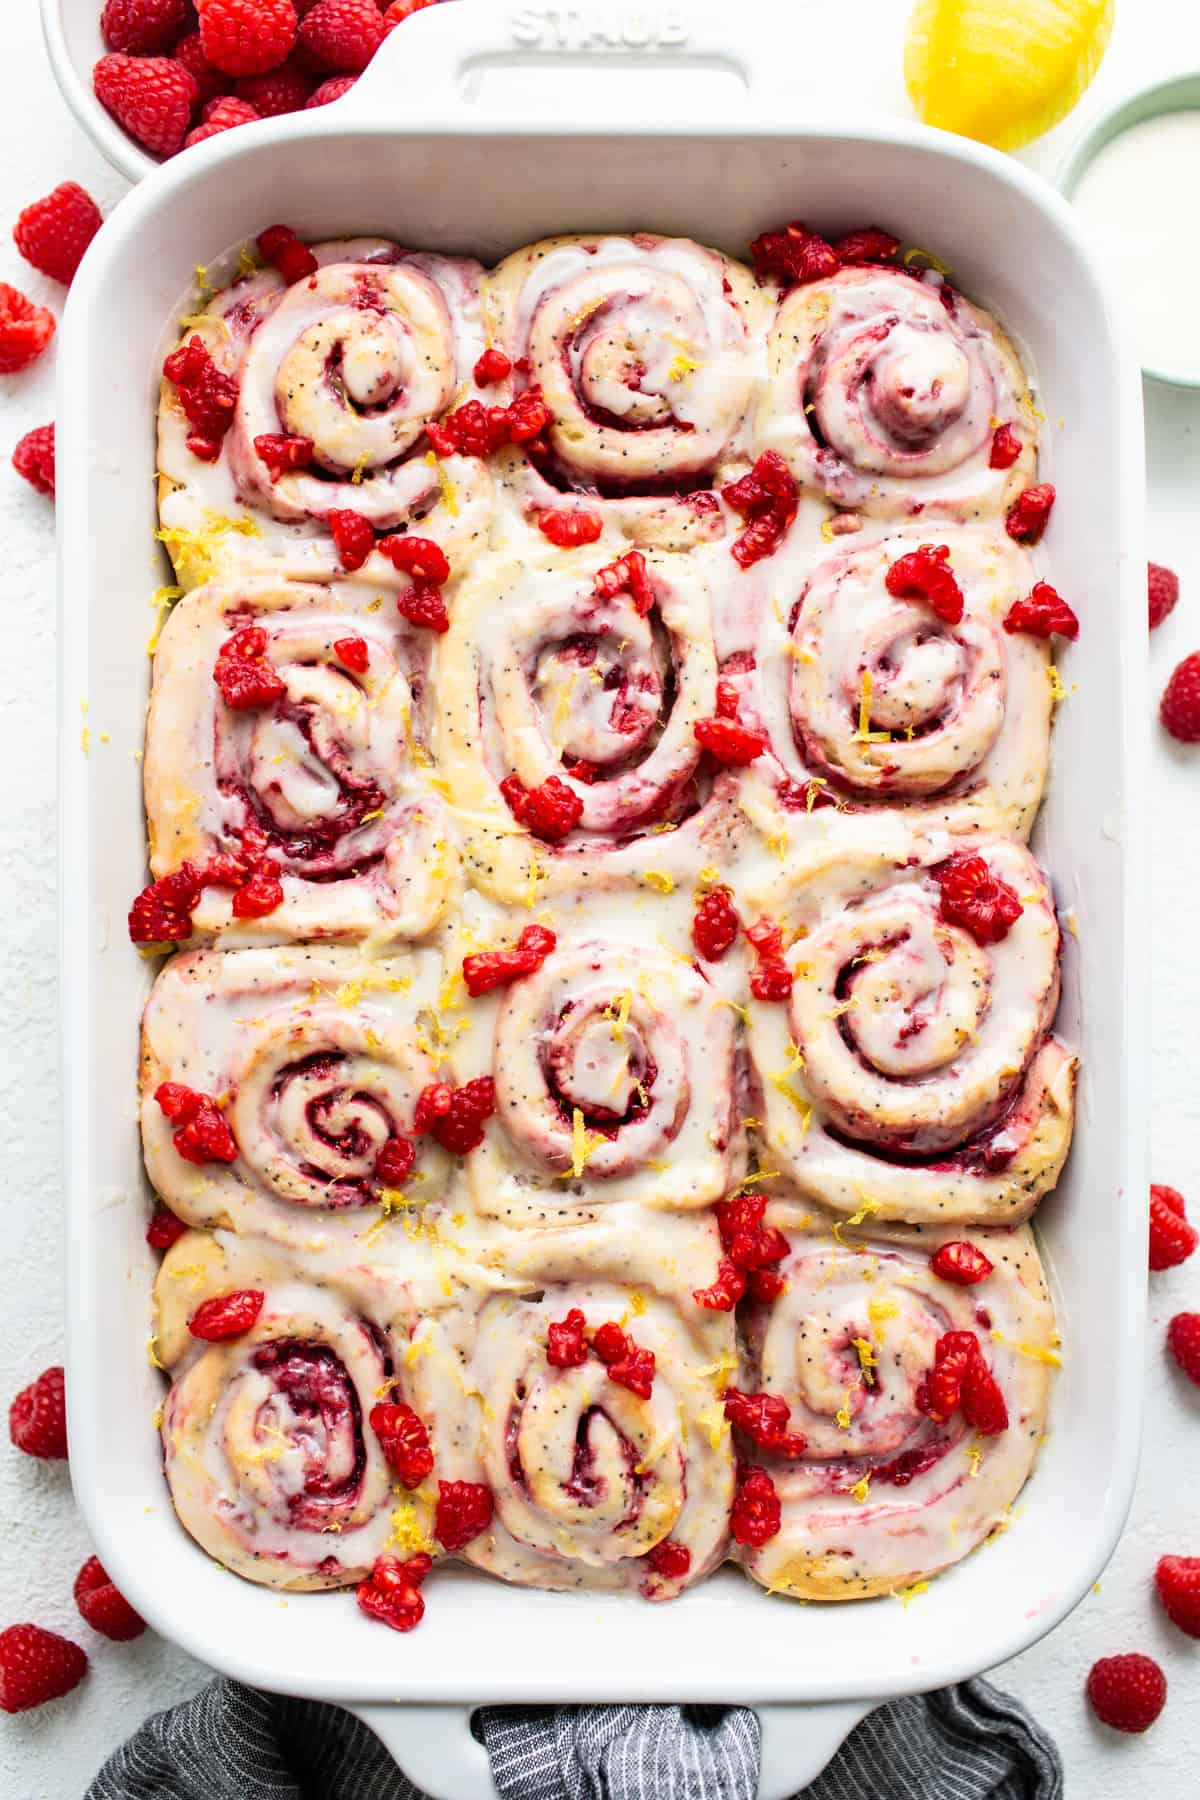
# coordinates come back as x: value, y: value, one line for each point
x: 331, y: 90
x: 25, y: 330
x: 1043, y: 613
x: 771, y: 978
x: 143, y: 27
x: 207, y: 395
x: 566, y: 529
x: 163, y: 1228
x: 202, y: 1135
x: 870, y: 245
x: 391, y: 1593
x: 424, y: 606
x: 53, y: 233
x: 37, y: 1418
x: 282, y: 90
x: 261, y: 894
x: 246, y: 37
x: 1006, y: 448
x: 793, y: 256
x: 404, y: 1442
x: 527, y: 416
x: 669, y: 1560
x: 725, y: 1291
x: 284, y: 251
x: 962, y: 1263
x: 768, y: 496
x: 103, y: 1606
x: 1172, y: 1239
x: 395, y: 1161
x: 1177, y: 1579
x: 566, y: 1347
x: 764, y: 1284
x: 353, y: 654
x: 34, y: 459
x: 244, y: 672
x: 1179, y: 708
x: 1163, y: 587
x: 353, y: 537
x: 756, y: 1515
x: 36, y: 1666
x: 715, y: 925
x: 609, y: 1342
x: 634, y: 1370
x: 925, y: 574
x: 764, y: 1420
x: 732, y: 744
x: 226, y: 1315
x: 151, y: 96
x: 626, y: 575
x: 222, y: 114
x: 975, y: 899
x: 464, y: 1509
x: 549, y: 811
x: 283, y: 453
x: 1026, y: 518
x: 493, y: 365
x: 162, y: 912
x: 940, y: 1393
x: 983, y: 1404
x: 342, y: 35
x: 476, y: 430
x: 210, y: 81
x: 400, y: 10
x: 1127, y: 1692
x: 749, y: 1244
x: 1183, y: 1341
x: 489, y: 969
x: 728, y: 699
x: 418, y: 557
x: 456, y: 1116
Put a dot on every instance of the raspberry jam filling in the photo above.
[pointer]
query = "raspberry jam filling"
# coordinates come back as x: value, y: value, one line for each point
x: 315, y: 1408
x: 335, y: 1131
x: 608, y: 1079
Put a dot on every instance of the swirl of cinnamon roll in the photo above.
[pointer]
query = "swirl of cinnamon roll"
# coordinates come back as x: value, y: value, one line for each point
x: 893, y: 1482
x: 272, y: 1465
x: 911, y: 1067
x: 880, y: 700
x: 354, y: 362
x: 614, y: 1071
x: 314, y: 1060
x: 545, y: 675
x: 605, y: 1474
x: 324, y: 769
x: 884, y: 392
x: 644, y: 349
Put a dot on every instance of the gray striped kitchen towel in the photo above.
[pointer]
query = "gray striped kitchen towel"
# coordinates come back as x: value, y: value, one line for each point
x: 231, y: 1743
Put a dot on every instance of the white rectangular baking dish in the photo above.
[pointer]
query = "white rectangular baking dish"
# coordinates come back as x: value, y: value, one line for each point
x: 416, y: 154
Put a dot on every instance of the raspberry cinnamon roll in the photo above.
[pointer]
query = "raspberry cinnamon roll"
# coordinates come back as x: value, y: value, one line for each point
x: 589, y: 1406
x: 904, y: 1060
x: 645, y: 350
x: 270, y: 1457
x: 313, y: 397
x: 886, y: 393
x: 615, y: 1080
x: 892, y: 682
x: 287, y: 722
x: 279, y: 1091
x: 568, y: 701
x: 914, y: 1405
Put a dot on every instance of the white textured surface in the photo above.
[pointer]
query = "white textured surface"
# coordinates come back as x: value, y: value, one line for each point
x: 51, y: 1755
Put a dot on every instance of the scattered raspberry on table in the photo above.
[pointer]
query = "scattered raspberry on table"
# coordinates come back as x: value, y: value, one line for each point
x: 36, y: 1666
x: 53, y: 233
x: 1127, y: 1692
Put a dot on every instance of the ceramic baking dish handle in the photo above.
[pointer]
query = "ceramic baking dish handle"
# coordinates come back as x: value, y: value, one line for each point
x: 452, y: 64
x: 435, y: 1748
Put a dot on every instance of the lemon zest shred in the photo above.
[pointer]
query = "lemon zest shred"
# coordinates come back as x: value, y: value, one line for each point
x: 861, y: 1489
x: 659, y: 880
x: 907, y: 1595
x: 1033, y: 1351
x: 864, y: 734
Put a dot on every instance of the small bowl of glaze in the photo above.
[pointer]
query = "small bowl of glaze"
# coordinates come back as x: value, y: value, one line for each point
x: 1134, y: 177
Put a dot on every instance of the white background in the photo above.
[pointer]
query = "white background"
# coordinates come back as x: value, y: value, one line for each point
x: 52, y: 1754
